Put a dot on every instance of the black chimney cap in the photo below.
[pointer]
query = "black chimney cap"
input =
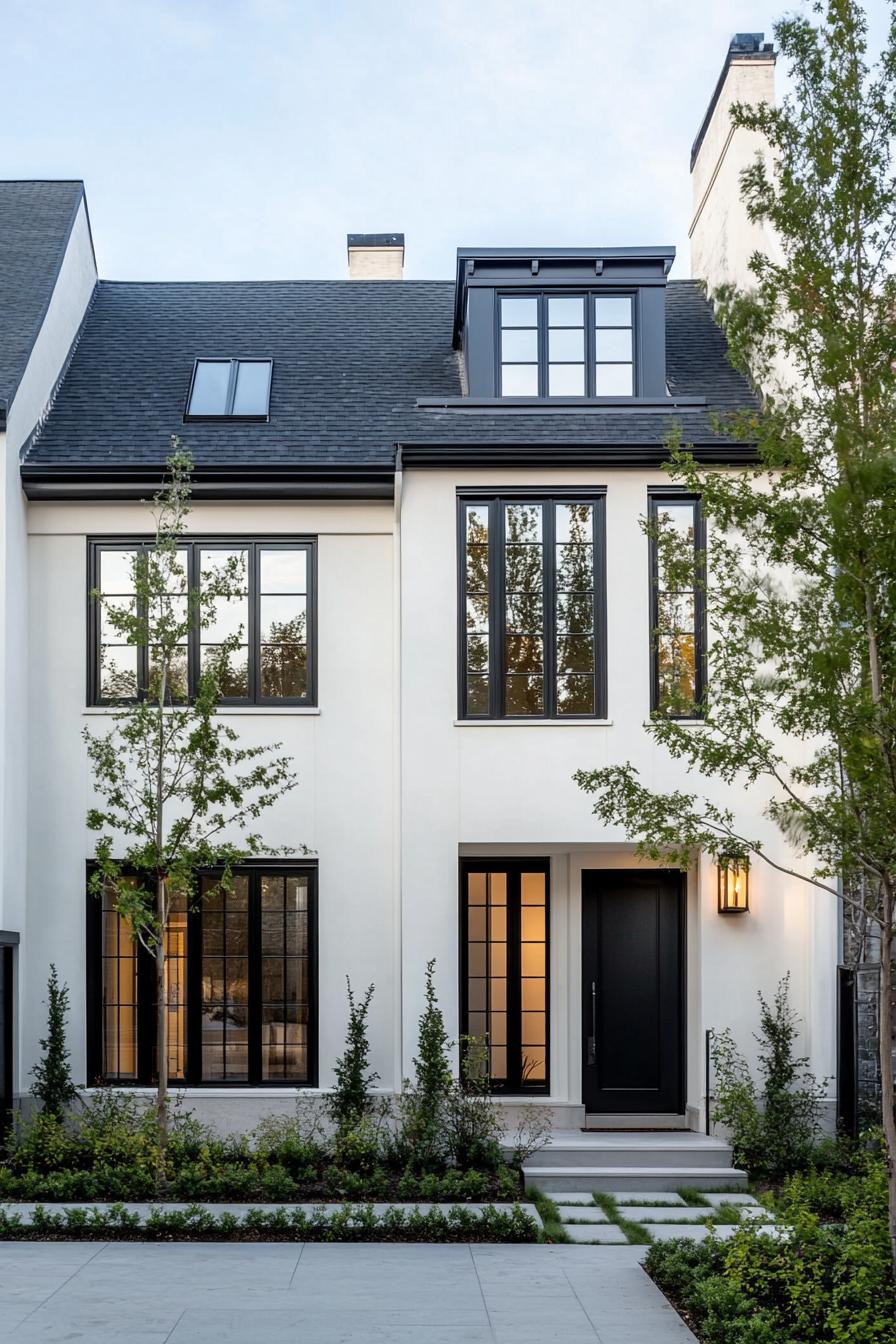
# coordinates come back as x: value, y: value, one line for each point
x: 376, y: 240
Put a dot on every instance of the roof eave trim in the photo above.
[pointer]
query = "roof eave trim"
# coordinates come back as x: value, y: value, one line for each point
x: 86, y: 483
x: 568, y: 454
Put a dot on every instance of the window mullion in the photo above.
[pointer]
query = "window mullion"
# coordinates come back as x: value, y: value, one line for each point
x: 514, y: 981
x: 143, y: 646
x: 253, y: 631
x: 700, y: 637
x: 497, y: 584
x: 542, y: 345
x: 590, y: 347
x: 194, y: 637
x: 254, y: 972
x: 194, y: 991
x: 549, y: 622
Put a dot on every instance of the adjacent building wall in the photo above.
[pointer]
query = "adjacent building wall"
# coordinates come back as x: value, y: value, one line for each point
x: 68, y: 304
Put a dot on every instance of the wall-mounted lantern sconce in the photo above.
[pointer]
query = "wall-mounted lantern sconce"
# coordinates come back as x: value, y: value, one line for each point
x: 734, y: 885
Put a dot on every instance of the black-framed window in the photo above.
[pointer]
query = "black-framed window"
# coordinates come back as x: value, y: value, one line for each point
x: 505, y: 971
x: 677, y: 606
x: 532, y: 606
x: 242, y: 985
x: 566, y: 345
x: 229, y: 389
x: 276, y: 660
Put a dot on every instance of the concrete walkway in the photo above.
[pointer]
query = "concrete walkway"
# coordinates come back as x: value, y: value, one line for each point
x: 145, y: 1293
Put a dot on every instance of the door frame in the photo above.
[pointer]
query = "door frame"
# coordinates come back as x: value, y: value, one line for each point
x: 679, y: 879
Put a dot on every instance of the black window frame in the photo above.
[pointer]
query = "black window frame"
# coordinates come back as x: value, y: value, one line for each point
x: 254, y: 544
x: 146, y: 999
x: 228, y: 413
x: 656, y: 497
x: 589, y: 296
x: 496, y: 500
x: 514, y: 868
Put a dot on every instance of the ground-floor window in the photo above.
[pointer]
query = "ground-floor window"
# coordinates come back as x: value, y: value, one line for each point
x: 241, y: 980
x: 504, y: 969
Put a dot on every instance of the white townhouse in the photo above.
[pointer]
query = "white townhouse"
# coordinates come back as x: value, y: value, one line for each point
x: 437, y: 490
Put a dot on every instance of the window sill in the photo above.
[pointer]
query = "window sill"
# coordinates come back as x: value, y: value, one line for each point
x: 248, y: 711
x: 533, y: 723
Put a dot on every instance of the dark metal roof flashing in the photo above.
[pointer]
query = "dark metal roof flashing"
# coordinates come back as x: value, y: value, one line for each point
x: 558, y: 265
x: 744, y: 47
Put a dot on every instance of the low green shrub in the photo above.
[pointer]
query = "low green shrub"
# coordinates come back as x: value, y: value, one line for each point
x: 352, y: 1222
x: 111, y: 1151
x: 774, y: 1124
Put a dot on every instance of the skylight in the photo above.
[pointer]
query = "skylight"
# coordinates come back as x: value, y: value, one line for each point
x: 237, y: 389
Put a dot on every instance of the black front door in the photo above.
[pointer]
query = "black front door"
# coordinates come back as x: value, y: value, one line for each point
x: 632, y: 989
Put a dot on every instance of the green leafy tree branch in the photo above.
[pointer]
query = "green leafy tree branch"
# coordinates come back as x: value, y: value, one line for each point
x: 800, y: 573
x: 176, y: 790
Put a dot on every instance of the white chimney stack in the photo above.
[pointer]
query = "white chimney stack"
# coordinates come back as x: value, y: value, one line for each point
x: 722, y: 237
x: 375, y: 256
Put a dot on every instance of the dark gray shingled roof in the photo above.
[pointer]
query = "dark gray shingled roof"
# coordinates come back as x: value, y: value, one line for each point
x: 36, y: 220
x: 350, y: 361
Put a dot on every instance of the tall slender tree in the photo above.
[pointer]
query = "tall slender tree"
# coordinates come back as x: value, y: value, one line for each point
x: 800, y: 573
x: 176, y: 791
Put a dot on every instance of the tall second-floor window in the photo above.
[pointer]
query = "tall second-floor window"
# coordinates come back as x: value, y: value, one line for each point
x: 567, y: 345
x: 274, y: 660
x: 677, y: 605
x: 532, y: 607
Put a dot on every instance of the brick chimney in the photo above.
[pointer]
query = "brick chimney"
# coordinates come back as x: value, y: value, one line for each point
x: 722, y: 237
x: 375, y: 256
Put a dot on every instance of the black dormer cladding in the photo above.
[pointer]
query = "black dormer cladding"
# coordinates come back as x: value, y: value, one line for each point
x: 484, y: 273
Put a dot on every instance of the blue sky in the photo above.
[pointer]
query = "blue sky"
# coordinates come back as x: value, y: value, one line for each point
x: 242, y: 139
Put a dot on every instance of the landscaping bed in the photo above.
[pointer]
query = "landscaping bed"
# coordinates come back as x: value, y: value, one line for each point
x: 828, y: 1281
x: 111, y: 1151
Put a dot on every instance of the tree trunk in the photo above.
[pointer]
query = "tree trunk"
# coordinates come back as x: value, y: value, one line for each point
x: 162, y: 1015
x: 885, y: 1043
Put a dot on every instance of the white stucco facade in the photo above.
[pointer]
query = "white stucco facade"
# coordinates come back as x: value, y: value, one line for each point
x: 501, y: 788
x: 394, y: 790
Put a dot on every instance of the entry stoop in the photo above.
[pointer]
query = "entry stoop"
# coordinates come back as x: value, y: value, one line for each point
x: 620, y: 1161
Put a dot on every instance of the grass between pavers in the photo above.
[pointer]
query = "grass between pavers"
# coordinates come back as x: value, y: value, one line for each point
x: 552, y: 1228
x: 636, y: 1234
x: 351, y: 1222
x: 693, y: 1198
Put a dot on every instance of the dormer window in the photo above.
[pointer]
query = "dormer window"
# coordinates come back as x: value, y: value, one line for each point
x: 584, y: 324
x: 566, y: 345
x: 229, y: 389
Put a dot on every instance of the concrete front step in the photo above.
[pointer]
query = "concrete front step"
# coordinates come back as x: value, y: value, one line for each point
x: 613, y: 1149
x: 612, y: 1178
x: 636, y: 1121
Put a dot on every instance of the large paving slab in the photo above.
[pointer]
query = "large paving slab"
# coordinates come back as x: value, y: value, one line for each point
x: 326, y: 1293
x: 732, y: 1197
x: 581, y: 1213
x: 572, y: 1197
x: 607, y: 1234
x: 663, y: 1214
x: 645, y: 1197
